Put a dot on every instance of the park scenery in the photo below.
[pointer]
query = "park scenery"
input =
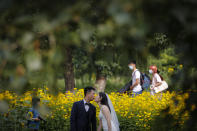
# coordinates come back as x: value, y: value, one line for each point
x: 52, y: 50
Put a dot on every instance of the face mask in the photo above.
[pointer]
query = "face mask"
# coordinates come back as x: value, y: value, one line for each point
x: 150, y: 71
x: 131, y: 67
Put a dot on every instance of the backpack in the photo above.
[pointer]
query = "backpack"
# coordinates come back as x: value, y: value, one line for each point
x: 145, y: 81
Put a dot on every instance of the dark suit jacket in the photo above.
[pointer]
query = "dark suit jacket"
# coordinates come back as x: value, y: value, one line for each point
x: 79, y: 120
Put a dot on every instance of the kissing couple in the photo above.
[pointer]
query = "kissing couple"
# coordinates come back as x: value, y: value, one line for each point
x: 83, y: 114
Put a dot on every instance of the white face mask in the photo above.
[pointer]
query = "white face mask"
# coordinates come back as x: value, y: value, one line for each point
x: 150, y: 71
x: 131, y: 67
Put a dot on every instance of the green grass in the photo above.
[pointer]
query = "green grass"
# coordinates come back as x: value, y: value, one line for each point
x: 113, y: 83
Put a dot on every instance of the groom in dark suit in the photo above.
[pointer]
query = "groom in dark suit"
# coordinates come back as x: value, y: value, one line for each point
x: 83, y: 114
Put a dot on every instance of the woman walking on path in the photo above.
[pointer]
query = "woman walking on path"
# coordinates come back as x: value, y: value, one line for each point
x: 156, y: 78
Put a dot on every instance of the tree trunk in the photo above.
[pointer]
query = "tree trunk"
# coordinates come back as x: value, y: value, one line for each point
x: 69, y: 70
x: 100, y: 83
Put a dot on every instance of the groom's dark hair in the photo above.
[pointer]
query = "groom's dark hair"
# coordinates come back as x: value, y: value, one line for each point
x: 88, y: 89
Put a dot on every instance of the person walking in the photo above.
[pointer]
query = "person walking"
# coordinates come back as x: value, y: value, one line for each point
x: 136, y: 87
x: 156, y: 78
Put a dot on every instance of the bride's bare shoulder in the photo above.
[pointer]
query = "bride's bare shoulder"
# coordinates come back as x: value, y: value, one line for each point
x: 104, y: 108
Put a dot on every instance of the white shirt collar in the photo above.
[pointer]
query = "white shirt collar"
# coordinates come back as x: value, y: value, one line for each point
x: 84, y: 101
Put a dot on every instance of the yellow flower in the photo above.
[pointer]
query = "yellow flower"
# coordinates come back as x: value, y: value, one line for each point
x: 30, y: 114
x: 186, y: 96
x: 170, y: 70
x: 142, y: 108
x: 193, y: 107
x: 22, y: 124
x: 181, y: 66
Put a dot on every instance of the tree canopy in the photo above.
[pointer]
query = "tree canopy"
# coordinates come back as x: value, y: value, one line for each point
x: 41, y: 41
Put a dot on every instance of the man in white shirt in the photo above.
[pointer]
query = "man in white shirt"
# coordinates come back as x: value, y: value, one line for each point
x: 136, y: 87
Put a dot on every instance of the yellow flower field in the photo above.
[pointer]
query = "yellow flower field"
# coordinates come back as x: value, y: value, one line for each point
x: 143, y: 108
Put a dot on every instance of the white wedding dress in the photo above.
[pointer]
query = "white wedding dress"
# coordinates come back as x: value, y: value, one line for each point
x: 104, y: 123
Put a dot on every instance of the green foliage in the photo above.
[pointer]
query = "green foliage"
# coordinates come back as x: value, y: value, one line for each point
x: 34, y: 39
x: 167, y: 59
x: 14, y: 119
x: 87, y: 80
x: 34, y: 35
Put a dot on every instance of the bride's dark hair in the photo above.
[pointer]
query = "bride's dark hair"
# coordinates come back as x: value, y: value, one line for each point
x: 104, y: 100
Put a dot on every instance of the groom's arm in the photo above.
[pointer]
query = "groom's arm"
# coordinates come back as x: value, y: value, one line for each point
x: 73, y: 117
x: 94, y: 120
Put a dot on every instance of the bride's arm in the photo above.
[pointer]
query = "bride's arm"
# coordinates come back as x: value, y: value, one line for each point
x: 106, y: 113
x: 100, y: 125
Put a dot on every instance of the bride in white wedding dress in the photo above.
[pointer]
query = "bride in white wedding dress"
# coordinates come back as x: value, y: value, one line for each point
x: 108, y: 119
